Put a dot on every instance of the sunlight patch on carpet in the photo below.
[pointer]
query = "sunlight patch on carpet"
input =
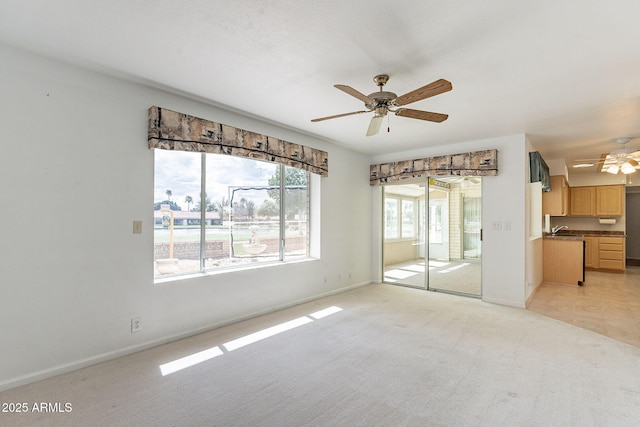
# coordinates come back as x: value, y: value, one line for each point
x: 399, y: 274
x: 266, y: 333
x: 326, y: 312
x: 414, y: 267
x: 455, y: 267
x: 191, y: 360
x: 208, y: 354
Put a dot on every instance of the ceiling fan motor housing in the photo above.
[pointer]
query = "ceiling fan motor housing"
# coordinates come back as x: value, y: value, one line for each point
x: 623, y: 152
x: 380, y: 99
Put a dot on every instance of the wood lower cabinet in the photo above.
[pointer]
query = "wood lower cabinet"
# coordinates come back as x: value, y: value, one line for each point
x: 604, y: 253
x: 562, y: 261
x: 591, y: 254
x: 611, y: 253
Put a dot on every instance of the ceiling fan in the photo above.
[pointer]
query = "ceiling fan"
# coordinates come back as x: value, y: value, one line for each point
x: 623, y: 160
x: 383, y: 102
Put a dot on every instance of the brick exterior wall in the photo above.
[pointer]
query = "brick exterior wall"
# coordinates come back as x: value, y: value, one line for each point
x: 218, y: 249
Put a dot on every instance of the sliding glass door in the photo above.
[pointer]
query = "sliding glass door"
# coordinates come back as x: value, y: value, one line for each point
x: 403, y: 239
x: 432, y: 234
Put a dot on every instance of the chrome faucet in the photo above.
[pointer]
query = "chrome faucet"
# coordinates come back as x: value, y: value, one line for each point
x: 557, y: 228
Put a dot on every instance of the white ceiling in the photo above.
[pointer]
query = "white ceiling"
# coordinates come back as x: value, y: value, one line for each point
x: 567, y: 73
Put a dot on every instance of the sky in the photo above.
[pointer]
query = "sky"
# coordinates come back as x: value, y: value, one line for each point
x: 179, y: 172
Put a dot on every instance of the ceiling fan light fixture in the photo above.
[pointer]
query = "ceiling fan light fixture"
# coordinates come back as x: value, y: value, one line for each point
x: 584, y: 165
x: 374, y: 125
x: 627, y: 168
x: 613, y: 169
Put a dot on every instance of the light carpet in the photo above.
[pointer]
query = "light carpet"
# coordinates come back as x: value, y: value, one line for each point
x: 392, y: 356
x: 461, y: 276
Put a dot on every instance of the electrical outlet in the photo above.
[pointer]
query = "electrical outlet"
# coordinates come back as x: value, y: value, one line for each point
x: 136, y: 324
x: 506, y: 225
x: 497, y: 225
x: 137, y: 227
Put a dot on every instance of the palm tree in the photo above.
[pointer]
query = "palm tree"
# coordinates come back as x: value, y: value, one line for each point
x: 169, y: 193
x: 188, y: 200
x: 221, y: 206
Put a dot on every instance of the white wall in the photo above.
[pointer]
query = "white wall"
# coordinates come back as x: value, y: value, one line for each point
x: 534, y: 274
x: 598, y: 178
x: 76, y: 171
x: 503, y: 201
x: 558, y: 167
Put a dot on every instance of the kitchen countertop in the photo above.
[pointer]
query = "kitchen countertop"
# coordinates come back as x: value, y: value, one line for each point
x: 579, y: 234
x: 561, y: 237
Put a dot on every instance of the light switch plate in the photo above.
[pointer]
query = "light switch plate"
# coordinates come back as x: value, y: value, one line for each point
x: 137, y: 227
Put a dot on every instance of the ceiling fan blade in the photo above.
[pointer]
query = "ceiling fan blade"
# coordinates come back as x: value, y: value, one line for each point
x: 432, y: 89
x: 351, y: 91
x: 422, y: 115
x: 339, y: 115
x: 374, y: 126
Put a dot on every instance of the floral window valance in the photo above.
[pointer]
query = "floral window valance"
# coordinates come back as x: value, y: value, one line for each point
x: 476, y: 163
x: 169, y: 130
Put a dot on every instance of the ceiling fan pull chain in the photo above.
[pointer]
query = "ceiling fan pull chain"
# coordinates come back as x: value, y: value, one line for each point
x: 388, y: 125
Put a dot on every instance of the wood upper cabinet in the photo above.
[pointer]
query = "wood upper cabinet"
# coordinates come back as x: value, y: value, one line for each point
x: 556, y: 201
x: 583, y: 201
x: 609, y: 200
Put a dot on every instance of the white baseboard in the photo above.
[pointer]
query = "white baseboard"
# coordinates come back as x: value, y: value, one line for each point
x: 504, y: 302
x: 104, y: 357
x: 533, y: 293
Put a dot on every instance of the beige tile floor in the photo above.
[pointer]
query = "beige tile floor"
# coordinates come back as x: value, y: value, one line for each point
x: 607, y: 303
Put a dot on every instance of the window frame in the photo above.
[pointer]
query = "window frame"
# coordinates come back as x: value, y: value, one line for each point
x: 400, y: 227
x: 282, y: 220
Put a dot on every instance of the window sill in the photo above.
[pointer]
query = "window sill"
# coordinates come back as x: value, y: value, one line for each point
x: 188, y: 276
x: 402, y: 239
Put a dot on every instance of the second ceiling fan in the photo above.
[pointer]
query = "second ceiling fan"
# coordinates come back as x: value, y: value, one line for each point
x: 625, y: 160
x: 383, y: 102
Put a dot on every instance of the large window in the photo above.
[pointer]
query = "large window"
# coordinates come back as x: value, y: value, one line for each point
x: 216, y: 211
x: 436, y: 224
x: 391, y: 217
x: 408, y: 224
x: 400, y: 217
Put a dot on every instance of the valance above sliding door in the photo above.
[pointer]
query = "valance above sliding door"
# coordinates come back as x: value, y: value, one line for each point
x: 476, y: 163
x: 170, y: 130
